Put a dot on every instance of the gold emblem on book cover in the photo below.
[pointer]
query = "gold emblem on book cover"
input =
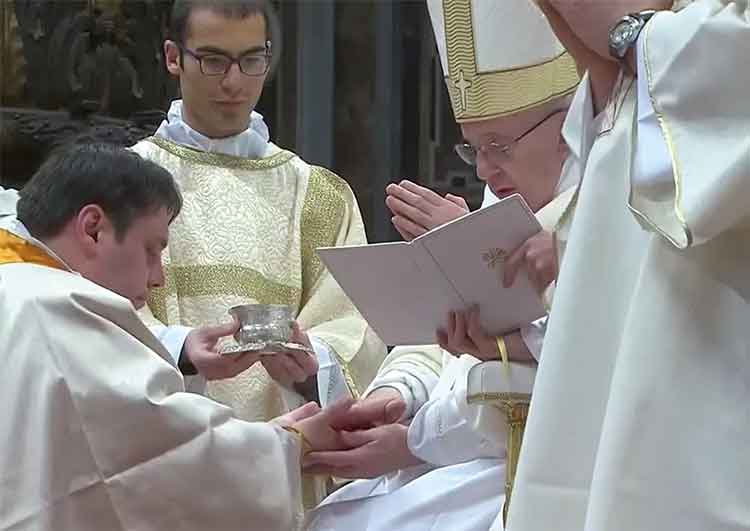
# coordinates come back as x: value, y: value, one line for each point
x: 494, y: 257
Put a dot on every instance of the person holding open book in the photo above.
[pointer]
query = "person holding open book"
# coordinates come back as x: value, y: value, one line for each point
x: 442, y: 466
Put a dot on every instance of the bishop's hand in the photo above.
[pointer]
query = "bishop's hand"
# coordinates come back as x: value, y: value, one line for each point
x: 463, y: 334
x: 417, y: 209
x: 537, y: 256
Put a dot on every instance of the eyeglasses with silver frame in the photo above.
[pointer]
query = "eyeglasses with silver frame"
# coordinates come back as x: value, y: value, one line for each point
x: 469, y: 153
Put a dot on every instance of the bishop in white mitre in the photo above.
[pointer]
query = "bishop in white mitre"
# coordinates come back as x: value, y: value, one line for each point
x: 641, y: 399
x: 454, y: 405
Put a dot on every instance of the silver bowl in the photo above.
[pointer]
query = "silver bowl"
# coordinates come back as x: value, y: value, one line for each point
x: 261, y: 324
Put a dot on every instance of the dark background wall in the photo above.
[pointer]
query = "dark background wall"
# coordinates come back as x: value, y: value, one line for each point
x: 358, y: 88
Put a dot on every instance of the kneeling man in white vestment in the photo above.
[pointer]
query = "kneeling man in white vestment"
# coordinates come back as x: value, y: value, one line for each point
x: 98, y: 433
x: 446, y: 469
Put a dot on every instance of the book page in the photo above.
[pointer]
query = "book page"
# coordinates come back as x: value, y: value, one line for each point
x: 471, y: 253
x: 396, y: 287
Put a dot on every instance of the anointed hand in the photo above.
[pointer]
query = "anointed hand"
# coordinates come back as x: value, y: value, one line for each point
x: 383, y: 406
x: 417, y: 209
x: 318, y: 428
x: 372, y: 453
x: 201, y: 349
x: 292, y: 366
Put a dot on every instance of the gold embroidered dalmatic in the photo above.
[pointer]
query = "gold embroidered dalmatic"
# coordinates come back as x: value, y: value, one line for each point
x: 247, y: 234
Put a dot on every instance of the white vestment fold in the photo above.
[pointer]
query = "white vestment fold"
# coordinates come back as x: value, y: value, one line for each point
x: 641, y: 396
x: 98, y: 433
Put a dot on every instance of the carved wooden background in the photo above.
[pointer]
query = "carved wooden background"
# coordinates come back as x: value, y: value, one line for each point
x: 78, y: 67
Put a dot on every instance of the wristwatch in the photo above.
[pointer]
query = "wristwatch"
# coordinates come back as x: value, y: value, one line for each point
x: 625, y: 32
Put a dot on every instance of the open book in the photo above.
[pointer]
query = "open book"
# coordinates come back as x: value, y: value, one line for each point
x: 406, y: 290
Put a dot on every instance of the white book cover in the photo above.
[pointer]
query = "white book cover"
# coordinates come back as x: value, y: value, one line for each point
x: 405, y: 290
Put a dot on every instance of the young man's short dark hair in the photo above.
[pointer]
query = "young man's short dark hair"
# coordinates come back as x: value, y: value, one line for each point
x: 120, y: 181
x: 238, y: 9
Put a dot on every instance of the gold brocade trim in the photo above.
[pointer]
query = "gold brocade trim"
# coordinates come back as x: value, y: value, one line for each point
x: 346, y: 371
x: 676, y: 173
x: 320, y: 222
x: 212, y: 280
x: 220, y: 159
x: 351, y: 383
x: 500, y: 399
x: 484, y: 95
x: 157, y: 303
x: 516, y: 408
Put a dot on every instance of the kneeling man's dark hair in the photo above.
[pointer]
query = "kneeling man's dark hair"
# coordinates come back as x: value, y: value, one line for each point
x: 120, y: 181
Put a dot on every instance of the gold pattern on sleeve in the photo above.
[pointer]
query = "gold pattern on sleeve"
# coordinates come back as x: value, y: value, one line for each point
x: 322, y: 215
x: 220, y: 159
x: 217, y: 280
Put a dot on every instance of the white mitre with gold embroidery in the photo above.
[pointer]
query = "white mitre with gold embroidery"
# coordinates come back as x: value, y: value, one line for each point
x: 499, y: 57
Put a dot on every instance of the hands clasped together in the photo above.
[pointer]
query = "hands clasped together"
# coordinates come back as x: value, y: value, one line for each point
x: 354, y: 439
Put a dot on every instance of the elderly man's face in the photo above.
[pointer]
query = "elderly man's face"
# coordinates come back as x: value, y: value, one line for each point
x: 531, y: 165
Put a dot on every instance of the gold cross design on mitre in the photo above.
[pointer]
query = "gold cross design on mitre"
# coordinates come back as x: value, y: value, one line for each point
x: 463, y: 85
x: 494, y: 257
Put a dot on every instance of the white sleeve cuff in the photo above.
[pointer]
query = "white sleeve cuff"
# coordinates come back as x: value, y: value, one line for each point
x: 414, y: 386
x: 533, y: 336
x: 652, y: 163
x: 331, y: 383
x: 173, y: 339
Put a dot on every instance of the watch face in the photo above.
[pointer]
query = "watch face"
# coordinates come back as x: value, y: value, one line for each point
x: 624, y: 32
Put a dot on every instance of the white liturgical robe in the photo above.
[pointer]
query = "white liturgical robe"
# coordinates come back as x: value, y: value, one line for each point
x: 97, y: 432
x: 641, y: 398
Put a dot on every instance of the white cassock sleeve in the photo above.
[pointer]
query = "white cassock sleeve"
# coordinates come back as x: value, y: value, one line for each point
x: 448, y: 430
x: 331, y: 383
x: 413, y: 371
x: 533, y: 336
x: 691, y: 179
x: 172, y: 337
x: 118, y: 442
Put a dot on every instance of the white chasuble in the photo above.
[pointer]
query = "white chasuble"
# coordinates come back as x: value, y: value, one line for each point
x: 98, y: 434
x: 640, y: 417
x: 247, y: 234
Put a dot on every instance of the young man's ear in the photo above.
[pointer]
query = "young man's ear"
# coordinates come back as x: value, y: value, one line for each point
x: 172, y: 57
x: 89, y: 223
